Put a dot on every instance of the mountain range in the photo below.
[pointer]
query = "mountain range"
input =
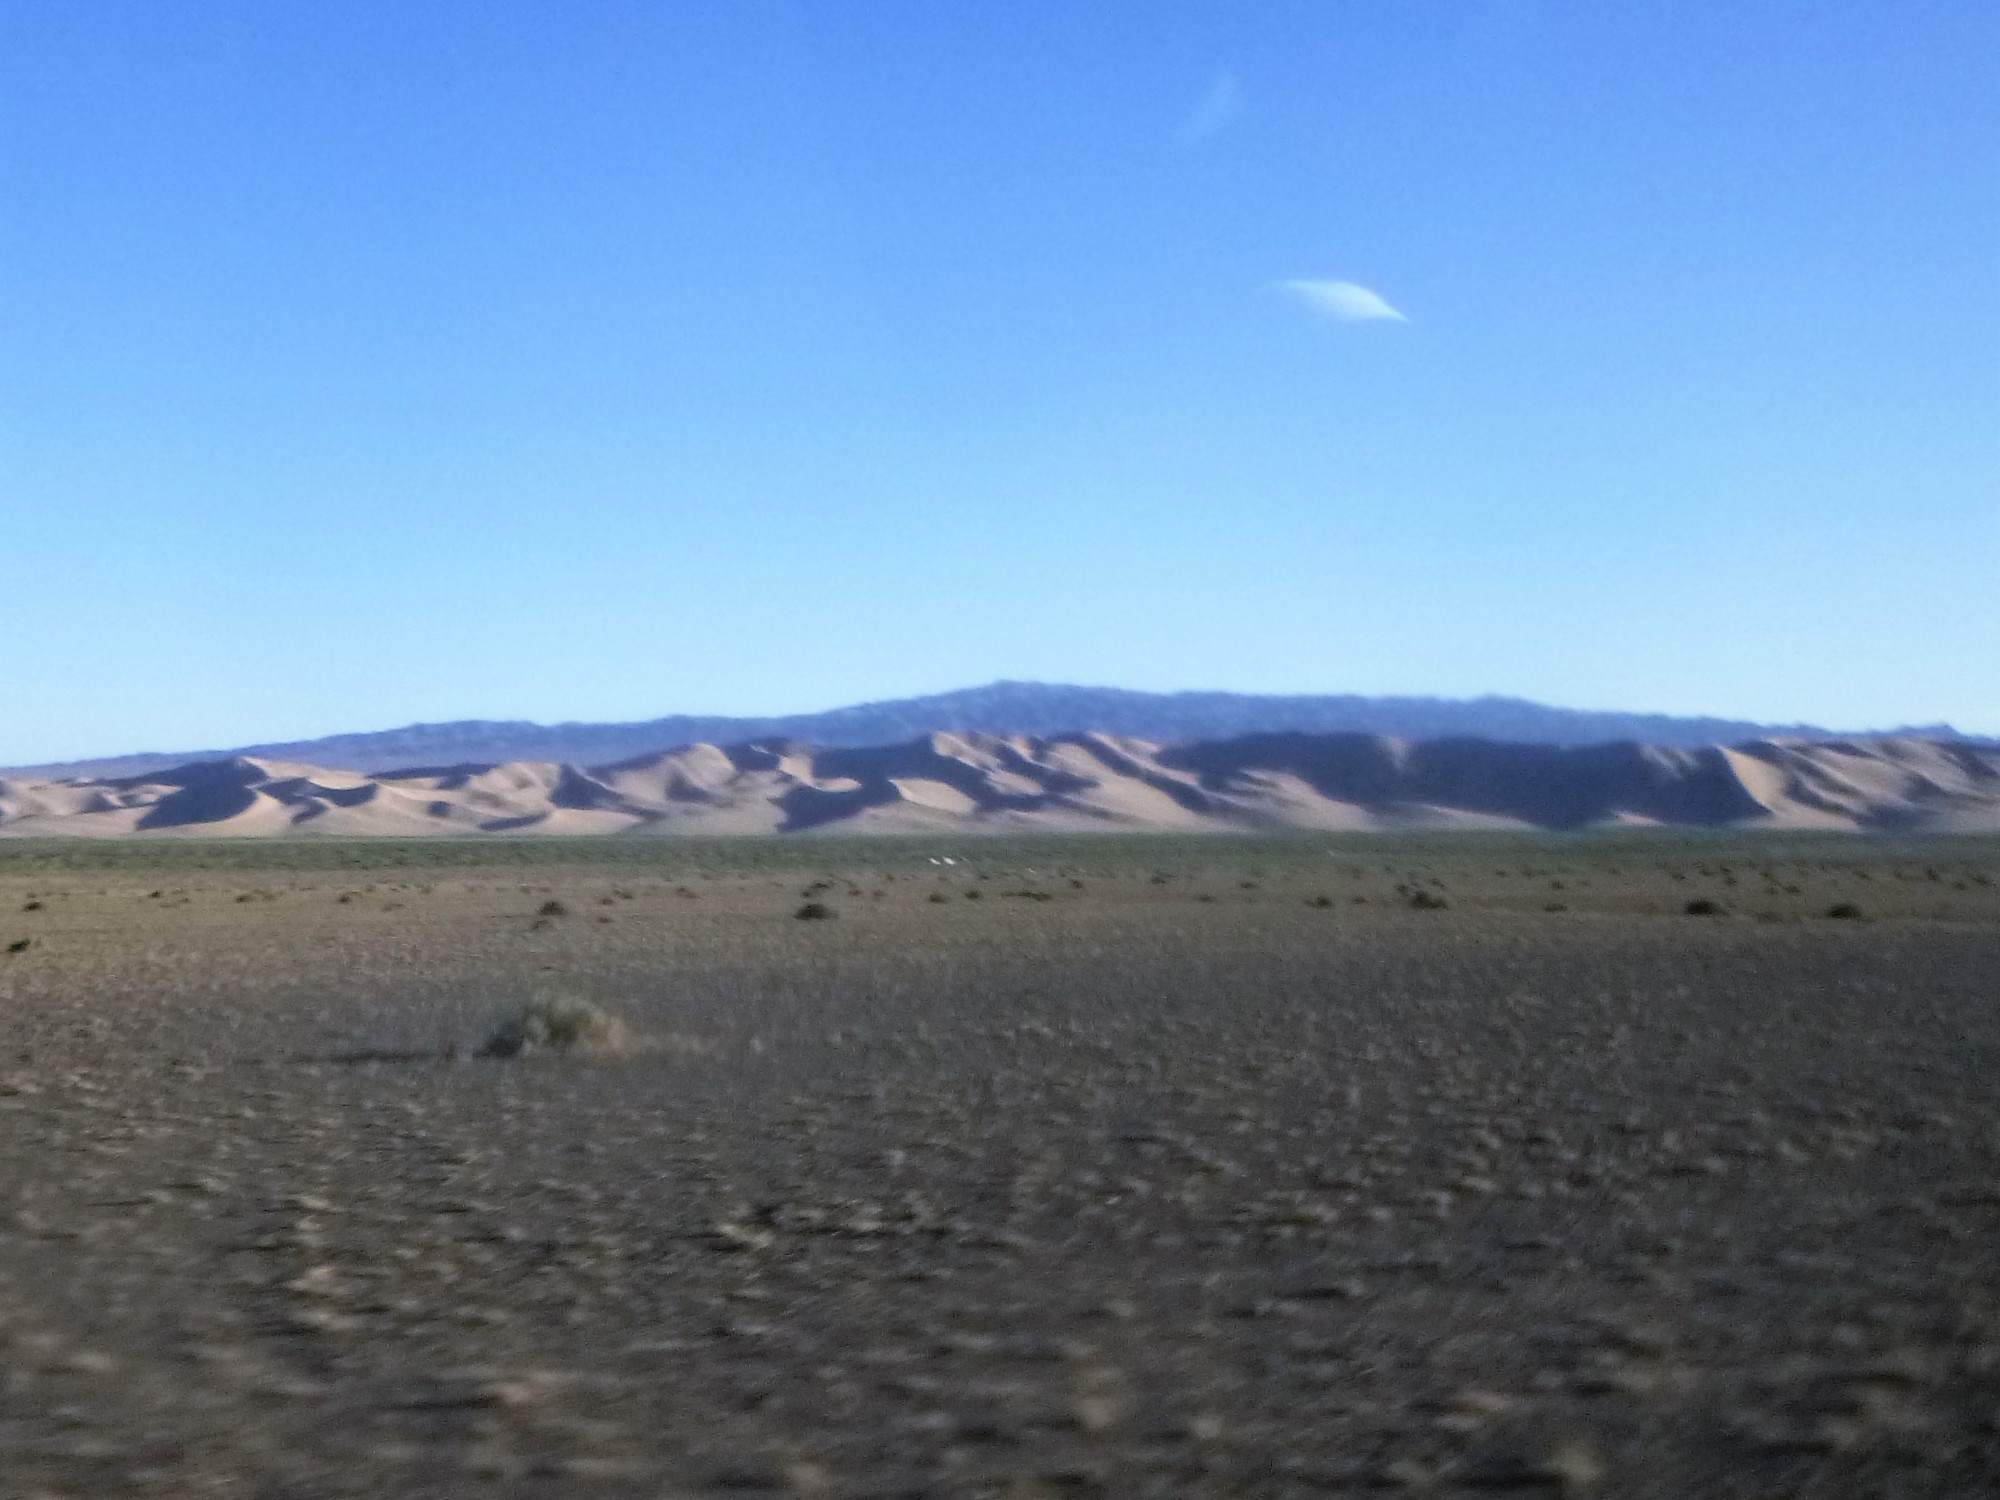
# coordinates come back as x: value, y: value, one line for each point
x: 1000, y: 708
x: 968, y: 783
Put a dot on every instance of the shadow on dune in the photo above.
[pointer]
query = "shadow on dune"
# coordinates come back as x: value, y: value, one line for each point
x: 1066, y: 782
x: 211, y: 792
x: 1547, y: 785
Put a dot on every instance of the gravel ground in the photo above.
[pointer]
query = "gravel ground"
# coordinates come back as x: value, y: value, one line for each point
x: 1075, y: 1168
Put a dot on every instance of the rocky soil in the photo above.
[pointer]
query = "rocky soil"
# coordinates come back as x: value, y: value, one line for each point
x: 1136, y: 1168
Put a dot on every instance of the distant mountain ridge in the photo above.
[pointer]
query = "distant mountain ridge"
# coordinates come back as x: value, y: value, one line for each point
x: 981, y: 783
x: 999, y: 708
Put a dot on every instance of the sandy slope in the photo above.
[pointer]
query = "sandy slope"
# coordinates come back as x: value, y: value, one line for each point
x: 1069, y: 782
x: 1036, y: 708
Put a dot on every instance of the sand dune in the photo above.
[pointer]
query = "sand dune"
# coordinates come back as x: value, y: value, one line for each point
x: 998, y: 708
x: 971, y: 782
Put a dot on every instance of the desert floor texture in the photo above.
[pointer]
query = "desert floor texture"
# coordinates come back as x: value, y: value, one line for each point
x: 1303, y: 1166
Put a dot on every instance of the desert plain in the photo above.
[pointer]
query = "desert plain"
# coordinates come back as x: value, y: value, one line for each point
x: 1298, y: 1165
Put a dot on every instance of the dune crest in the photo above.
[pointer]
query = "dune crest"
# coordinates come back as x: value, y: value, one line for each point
x: 1064, y: 783
x: 998, y: 708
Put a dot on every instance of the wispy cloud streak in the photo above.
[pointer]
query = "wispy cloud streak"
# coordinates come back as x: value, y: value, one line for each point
x: 1214, y: 113
x: 1343, y: 301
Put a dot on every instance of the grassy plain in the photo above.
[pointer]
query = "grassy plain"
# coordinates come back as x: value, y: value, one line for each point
x: 1117, y: 1166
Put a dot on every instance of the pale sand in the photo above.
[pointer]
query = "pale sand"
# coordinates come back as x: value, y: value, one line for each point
x: 971, y: 783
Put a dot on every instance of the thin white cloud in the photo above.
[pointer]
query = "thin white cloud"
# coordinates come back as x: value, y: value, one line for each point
x: 1216, y: 110
x: 1343, y: 301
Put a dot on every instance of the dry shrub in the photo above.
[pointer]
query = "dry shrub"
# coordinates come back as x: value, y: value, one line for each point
x: 558, y: 1023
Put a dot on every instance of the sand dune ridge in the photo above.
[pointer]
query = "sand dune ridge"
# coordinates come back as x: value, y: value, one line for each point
x: 968, y: 782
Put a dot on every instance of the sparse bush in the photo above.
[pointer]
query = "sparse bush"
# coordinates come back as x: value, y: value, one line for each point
x: 814, y: 911
x: 939, y: 898
x: 1320, y: 901
x: 1703, y: 907
x: 557, y: 1023
x: 1846, y: 911
x: 552, y: 909
x: 1423, y: 900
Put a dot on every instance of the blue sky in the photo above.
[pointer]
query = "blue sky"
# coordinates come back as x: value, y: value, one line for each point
x: 363, y: 363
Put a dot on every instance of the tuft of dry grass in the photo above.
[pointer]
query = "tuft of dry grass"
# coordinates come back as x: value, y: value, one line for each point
x: 558, y: 1023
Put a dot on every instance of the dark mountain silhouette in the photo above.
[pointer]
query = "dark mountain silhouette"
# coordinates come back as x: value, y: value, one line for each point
x: 1005, y: 708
